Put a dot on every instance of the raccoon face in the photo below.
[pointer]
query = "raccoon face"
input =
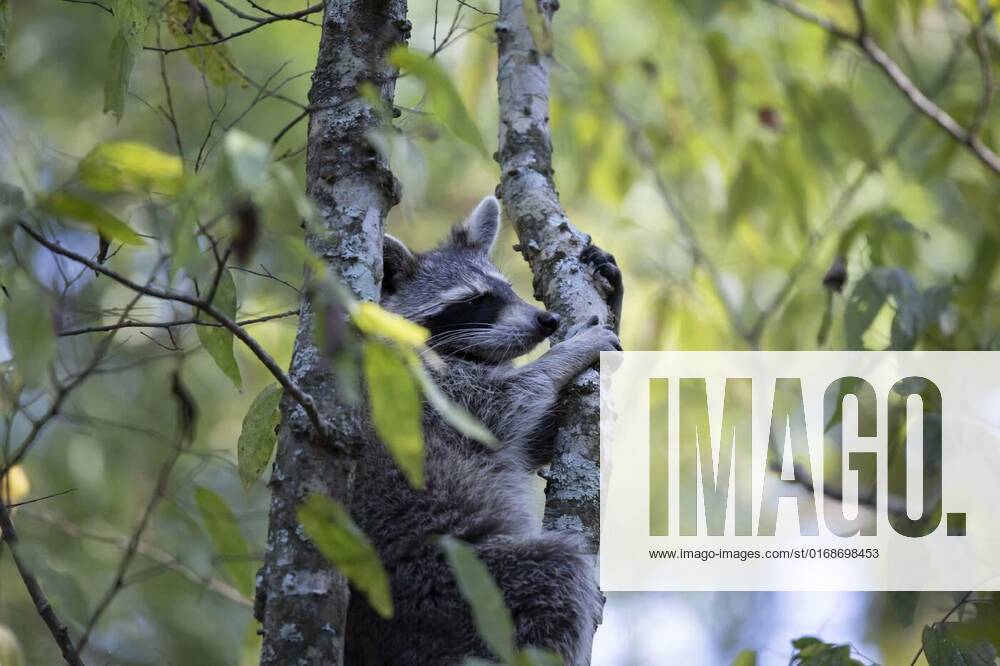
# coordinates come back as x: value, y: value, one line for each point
x: 457, y: 293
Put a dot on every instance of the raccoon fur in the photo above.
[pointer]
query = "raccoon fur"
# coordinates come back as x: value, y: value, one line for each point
x: 480, y: 495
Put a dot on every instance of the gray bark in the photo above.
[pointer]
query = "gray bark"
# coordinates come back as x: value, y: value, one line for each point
x: 302, y: 599
x: 552, y: 247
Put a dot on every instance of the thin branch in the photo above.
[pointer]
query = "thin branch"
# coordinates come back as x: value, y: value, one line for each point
x: 45, y: 611
x: 91, y: 2
x: 312, y: 9
x: 895, y: 74
x: 305, y: 400
x: 959, y: 604
x: 176, y: 322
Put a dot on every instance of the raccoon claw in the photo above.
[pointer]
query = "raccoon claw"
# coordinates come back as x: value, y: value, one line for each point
x: 604, y: 265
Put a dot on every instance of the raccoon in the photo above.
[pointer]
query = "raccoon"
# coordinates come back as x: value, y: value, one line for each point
x: 475, y: 493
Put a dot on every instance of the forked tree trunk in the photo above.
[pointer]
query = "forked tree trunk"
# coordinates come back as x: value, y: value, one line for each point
x: 552, y: 247
x: 302, y: 599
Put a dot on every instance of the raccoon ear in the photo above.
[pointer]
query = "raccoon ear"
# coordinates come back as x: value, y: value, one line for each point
x: 479, y: 231
x: 398, y: 263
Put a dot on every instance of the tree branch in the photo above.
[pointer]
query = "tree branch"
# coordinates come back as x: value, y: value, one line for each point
x: 895, y: 74
x: 260, y: 23
x: 304, y: 399
x: 56, y: 627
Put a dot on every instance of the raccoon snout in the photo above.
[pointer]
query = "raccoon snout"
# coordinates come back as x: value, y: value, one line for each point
x: 548, y: 322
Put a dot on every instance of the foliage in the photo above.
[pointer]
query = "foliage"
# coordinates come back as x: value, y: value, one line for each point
x: 762, y: 184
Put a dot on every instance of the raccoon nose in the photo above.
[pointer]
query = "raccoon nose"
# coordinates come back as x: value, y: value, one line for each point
x: 548, y: 322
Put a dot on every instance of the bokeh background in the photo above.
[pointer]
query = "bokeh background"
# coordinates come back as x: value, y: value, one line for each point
x: 726, y: 152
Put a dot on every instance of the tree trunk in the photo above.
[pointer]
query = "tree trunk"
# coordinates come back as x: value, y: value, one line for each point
x: 552, y: 247
x: 302, y: 599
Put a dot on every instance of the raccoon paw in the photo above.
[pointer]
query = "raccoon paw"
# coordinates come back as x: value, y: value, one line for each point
x: 597, y: 338
x: 604, y: 265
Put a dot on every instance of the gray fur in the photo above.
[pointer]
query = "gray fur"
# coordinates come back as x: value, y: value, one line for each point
x: 472, y: 492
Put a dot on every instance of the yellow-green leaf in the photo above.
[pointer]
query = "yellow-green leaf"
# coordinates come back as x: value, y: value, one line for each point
x: 30, y: 331
x: 121, y: 59
x: 218, y: 341
x: 396, y: 407
x: 257, y: 438
x: 539, y: 25
x: 63, y: 204
x: 214, y: 61
x: 445, y: 101
x: 493, y: 620
x: 129, y: 166
x: 372, y: 319
x: 230, y: 545
x: 10, y: 649
x: 341, y: 541
x: 745, y: 658
x: 248, y: 161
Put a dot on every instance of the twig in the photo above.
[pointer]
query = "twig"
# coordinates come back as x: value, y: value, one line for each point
x: 171, y: 324
x: 312, y: 9
x: 910, y: 90
x: 305, y: 400
x: 45, y: 611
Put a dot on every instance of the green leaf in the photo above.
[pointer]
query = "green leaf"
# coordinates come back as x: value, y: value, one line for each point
x: 846, y: 125
x: 810, y: 651
x: 129, y: 166
x: 257, y: 438
x: 121, y: 60
x: 218, y: 341
x: 532, y: 656
x: 341, y: 541
x: 4, y: 27
x: 231, y: 547
x: 63, y: 204
x: 132, y: 17
x: 30, y: 331
x: 214, y: 61
x: 943, y: 648
x: 539, y: 25
x: 396, y: 407
x: 904, y: 604
x: 489, y: 612
x: 745, y: 658
x: 863, y: 305
x: 444, y: 98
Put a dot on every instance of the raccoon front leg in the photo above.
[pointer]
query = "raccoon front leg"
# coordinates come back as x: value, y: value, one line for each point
x: 534, y: 390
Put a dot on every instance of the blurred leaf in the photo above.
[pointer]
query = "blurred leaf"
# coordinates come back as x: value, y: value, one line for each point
x: 132, y: 17
x: 904, y: 605
x: 30, y: 331
x: 341, y: 541
x: 846, y: 125
x: 187, y: 408
x: 11, y: 203
x: 457, y: 416
x: 131, y: 166
x: 214, y: 61
x: 4, y: 27
x: 532, y: 656
x: 745, y: 658
x: 218, y: 341
x: 447, y: 105
x: 224, y: 530
x: 10, y: 649
x: 63, y: 204
x: 489, y: 612
x: 373, y: 319
x: 14, y: 487
x: 257, y: 438
x: 943, y: 648
x: 396, y: 407
x: 539, y: 26
x: 726, y: 72
x: 810, y: 651
x: 248, y: 161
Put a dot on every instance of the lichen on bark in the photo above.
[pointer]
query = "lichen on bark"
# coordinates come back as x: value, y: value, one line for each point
x: 302, y: 600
